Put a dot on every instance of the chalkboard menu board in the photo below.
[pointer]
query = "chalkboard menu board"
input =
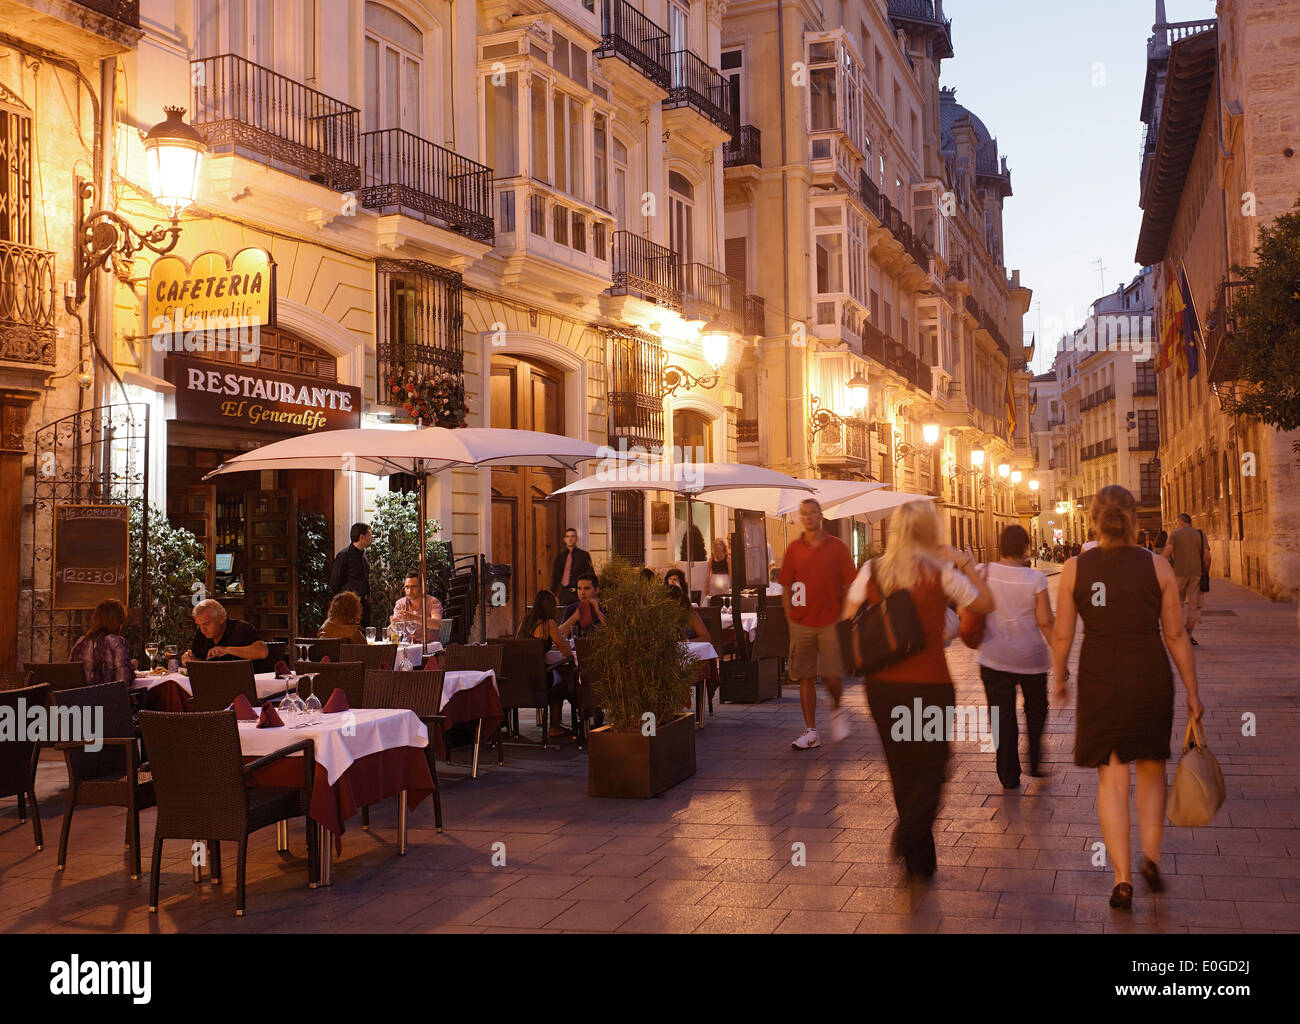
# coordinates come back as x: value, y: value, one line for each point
x: 91, y: 555
x: 753, y: 533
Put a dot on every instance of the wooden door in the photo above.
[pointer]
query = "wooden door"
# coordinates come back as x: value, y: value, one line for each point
x: 271, y: 581
x: 527, y: 527
x: 195, y: 509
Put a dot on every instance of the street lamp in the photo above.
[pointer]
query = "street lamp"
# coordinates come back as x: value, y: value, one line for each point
x: 715, y: 337
x: 859, y: 394
x: 931, y: 433
x: 174, y: 151
x: 1004, y: 470
x: 977, y: 457
x: 1016, y: 477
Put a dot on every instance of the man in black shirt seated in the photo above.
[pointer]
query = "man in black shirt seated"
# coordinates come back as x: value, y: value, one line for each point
x: 219, y: 638
x: 585, y: 614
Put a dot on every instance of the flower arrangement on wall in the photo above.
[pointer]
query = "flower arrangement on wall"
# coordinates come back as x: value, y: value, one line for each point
x: 437, y: 397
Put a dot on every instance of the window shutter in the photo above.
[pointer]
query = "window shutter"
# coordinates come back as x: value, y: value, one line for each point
x: 736, y: 259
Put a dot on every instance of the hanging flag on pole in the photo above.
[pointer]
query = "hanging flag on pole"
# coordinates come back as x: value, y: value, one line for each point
x: 1191, y: 338
x: 1011, y: 404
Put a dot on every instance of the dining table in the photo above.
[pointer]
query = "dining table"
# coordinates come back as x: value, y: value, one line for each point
x: 416, y: 654
x: 172, y: 691
x: 748, y: 620
x: 470, y: 695
x: 364, y: 756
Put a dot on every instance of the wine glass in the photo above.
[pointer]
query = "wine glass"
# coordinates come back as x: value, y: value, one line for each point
x: 170, y: 654
x: 151, y: 652
x: 370, y: 634
x: 312, y: 707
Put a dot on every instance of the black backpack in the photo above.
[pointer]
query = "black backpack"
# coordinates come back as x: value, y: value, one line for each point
x: 885, y: 631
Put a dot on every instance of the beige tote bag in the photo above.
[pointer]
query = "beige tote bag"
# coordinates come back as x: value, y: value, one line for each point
x: 1198, y: 790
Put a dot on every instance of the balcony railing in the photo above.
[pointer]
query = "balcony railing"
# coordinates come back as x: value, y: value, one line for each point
x: 243, y: 107
x: 1098, y: 398
x: 898, y: 226
x: 957, y: 268
x: 28, y: 303
x: 1220, y: 326
x: 419, y: 323
x: 401, y: 171
x: 755, y: 316
x: 628, y: 34
x: 646, y: 270
x: 745, y: 147
x: 1148, y: 442
x: 747, y: 431
x: 692, y: 83
x: 1185, y: 29
x: 708, y: 292
x: 842, y: 441
x: 869, y: 190
x: 874, y: 342
x: 636, y: 405
x: 1098, y: 450
x: 125, y: 11
x: 1144, y: 390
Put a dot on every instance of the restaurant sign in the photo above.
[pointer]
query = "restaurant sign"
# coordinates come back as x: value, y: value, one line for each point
x: 235, y: 395
x: 212, y: 292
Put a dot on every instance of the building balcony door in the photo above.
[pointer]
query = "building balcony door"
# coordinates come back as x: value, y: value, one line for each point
x: 527, y: 527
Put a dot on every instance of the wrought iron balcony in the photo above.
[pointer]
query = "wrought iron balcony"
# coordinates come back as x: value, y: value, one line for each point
x: 402, y: 172
x: 419, y: 325
x: 28, y: 303
x: 957, y: 268
x: 1098, y: 450
x: 628, y: 34
x: 874, y: 342
x: 692, y: 83
x: 869, y: 190
x: 708, y: 292
x: 755, y: 316
x: 747, y: 431
x: 1221, y: 325
x: 745, y: 147
x: 125, y: 11
x: 244, y: 108
x: 927, y: 15
x: 1144, y: 390
x: 646, y: 270
x: 842, y: 441
x: 1146, y: 442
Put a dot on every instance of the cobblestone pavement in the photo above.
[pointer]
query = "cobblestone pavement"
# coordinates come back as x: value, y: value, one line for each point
x: 716, y: 853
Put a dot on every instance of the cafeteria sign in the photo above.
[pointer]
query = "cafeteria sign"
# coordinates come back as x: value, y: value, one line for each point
x: 235, y: 395
x: 212, y: 292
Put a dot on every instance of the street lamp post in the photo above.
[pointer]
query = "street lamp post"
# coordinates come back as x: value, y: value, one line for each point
x: 714, y: 341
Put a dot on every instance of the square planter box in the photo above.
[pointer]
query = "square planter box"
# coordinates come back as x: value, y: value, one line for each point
x: 751, y: 682
x: 627, y: 764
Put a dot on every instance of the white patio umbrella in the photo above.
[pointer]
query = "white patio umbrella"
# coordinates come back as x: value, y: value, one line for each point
x: 874, y: 506
x: 420, y: 453
x: 782, y: 502
x: 719, y: 483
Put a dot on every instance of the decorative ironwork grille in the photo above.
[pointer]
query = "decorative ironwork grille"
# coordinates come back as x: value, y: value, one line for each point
x: 402, y: 171
x: 636, y: 408
x: 15, y: 169
x: 97, y: 456
x: 420, y: 326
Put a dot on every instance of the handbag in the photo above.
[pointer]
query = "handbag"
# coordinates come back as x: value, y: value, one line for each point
x: 1205, y: 574
x: 1198, y: 791
x: 887, y: 631
x: 972, y: 623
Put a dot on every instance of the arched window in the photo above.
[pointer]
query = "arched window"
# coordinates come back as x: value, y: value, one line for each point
x: 394, y: 71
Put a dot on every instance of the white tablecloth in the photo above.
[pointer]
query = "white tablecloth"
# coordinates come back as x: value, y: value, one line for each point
x: 340, y: 739
x: 267, y: 684
x: 748, y: 619
x: 454, y: 682
x: 701, y: 651
x: 417, y: 655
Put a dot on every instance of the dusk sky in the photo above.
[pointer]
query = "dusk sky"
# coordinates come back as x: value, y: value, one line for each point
x: 1060, y: 87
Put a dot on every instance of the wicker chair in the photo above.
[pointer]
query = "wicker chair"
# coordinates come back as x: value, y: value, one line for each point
x: 57, y: 675
x: 216, y: 683
x: 110, y: 776
x: 525, y: 681
x: 15, y: 680
x: 419, y: 692
x: 348, y: 676
x: 474, y: 657
x: 274, y: 654
x: 370, y: 655
x: 447, y: 631
x: 319, y: 647
x: 203, y: 790
x: 17, y: 765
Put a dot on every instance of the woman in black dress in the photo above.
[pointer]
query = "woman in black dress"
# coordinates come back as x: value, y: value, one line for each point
x: 1126, y: 690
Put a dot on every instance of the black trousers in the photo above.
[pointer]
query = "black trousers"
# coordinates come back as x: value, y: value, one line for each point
x: 916, y: 766
x: 1000, y: 688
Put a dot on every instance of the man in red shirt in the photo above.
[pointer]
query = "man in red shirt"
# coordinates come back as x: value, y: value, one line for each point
x: 815, y: 576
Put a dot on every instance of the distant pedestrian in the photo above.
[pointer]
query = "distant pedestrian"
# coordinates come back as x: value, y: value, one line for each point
x: 1189, y: 553
x: 570, y: 563
x: 934, y: 575
x: 351, y: 570
x: 1015, y: 653
x: 1161, y: 542
x: 815, y: 576
x: 1128, y: 600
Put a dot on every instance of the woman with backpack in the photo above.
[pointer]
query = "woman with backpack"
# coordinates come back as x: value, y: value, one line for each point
x: 933, y: 574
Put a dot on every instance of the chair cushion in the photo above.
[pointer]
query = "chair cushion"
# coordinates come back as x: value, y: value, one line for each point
x: 269, y: 804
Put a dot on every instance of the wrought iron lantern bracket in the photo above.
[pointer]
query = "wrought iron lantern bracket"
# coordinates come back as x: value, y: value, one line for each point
x: 102, y: 235
x: 675, y: 378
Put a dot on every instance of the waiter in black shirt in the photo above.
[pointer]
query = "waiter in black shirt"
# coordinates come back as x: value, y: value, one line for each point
x: 570, y: 563
x: 351, y: 571
x: 219, y: 638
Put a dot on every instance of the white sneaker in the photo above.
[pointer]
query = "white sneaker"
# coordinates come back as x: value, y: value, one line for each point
x: 807, y: 741
x: 840, y: 728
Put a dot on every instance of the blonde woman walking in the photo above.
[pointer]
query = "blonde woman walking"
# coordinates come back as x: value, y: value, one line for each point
x: 934, y: 574
x: 1126, y: 690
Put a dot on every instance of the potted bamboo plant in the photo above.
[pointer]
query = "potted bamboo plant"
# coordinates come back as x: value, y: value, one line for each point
x: 642, y: 676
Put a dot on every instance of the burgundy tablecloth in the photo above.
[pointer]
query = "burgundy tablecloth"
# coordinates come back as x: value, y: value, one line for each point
x: 479, y: 702
x: 166, y: 696
x: 370, y: 780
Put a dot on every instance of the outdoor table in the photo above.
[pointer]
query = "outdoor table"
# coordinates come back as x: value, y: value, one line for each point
x: 747, y: 619
x: 707, y: 655
x: 415, y: 653
x: 172, y: 692
x: 469, y: 696
x: 363, y: 757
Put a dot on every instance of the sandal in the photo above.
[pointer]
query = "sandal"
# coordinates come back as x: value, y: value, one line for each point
x: 1151, y: 873
x: 1122, y: 897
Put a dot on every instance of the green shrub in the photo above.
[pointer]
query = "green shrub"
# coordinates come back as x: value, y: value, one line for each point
x: 313, y: 572
x: 638, y: 656
x: 176, y: 566
x: 395, y: 551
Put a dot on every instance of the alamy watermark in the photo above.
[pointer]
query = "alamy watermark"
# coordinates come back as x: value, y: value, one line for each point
x: 1133, y: 333
x: 637, y: 464
x: 932, y: 723
x: 83, y: 724
x: 185, y: 334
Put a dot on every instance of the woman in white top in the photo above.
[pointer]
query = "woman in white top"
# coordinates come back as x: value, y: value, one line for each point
x: 1015, y: 652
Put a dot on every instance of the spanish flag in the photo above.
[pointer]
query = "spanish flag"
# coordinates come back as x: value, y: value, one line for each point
x: 1171, y: 327
x: 1011, y: 404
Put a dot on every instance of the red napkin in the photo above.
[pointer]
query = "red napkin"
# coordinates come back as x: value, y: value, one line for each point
x: 281, y: 670
x: 270, y: 718
x: 324, y: 660
x: 243, y: 710
x: 338, y: 702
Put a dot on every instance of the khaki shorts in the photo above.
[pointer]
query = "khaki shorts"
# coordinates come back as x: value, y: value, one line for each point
x: 815, y: 651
